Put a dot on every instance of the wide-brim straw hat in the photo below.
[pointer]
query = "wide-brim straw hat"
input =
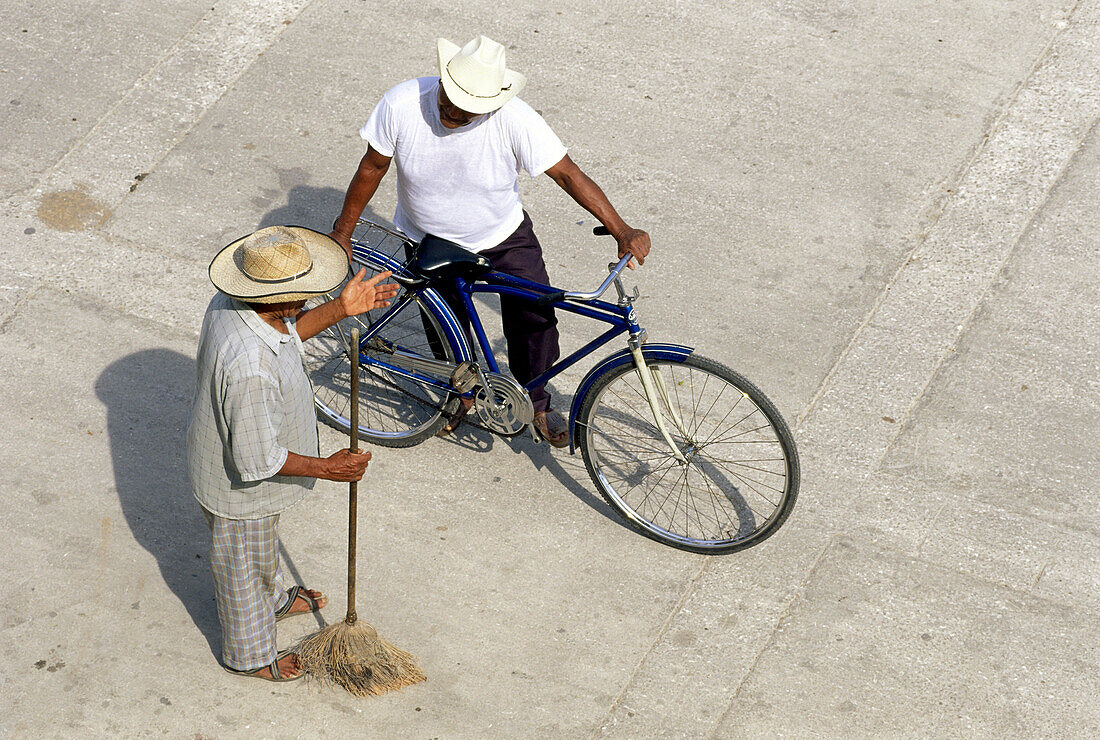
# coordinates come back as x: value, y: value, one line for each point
x: 279, y: 264
x: 475, y: 77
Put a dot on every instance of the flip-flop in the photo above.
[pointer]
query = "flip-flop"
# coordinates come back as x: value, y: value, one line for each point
x: 292, y: 595
x: 453, y: 420
x: 273, y: 666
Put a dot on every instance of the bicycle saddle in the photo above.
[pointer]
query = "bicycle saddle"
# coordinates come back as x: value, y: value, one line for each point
x: 440, y: 259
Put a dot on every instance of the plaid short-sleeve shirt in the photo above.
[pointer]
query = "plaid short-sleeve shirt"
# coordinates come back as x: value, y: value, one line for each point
x: 253, y: 404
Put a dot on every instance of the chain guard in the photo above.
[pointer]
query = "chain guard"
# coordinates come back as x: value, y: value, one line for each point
x: 509, y: 409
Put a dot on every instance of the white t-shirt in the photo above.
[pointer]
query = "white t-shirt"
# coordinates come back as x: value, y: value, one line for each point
x: 459, y: 184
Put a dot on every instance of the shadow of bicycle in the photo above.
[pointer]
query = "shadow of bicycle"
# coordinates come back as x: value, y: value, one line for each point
x: 568, y: 470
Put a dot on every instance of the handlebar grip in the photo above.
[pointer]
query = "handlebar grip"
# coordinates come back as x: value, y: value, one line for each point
x: 549, y: 298
x: 601, y: 231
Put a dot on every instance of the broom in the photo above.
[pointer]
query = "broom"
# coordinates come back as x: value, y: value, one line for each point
x: 350, y: 653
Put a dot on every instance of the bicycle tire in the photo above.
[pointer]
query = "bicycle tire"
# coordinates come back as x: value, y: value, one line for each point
x: 748, y: 482
x: 393, y: 412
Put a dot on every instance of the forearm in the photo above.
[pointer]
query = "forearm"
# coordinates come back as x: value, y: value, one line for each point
x: 342, y: 465
x: 363, y: 185
x: 358, y: 296
x: 314, y: 321
x: 301, y: 466
x: 587, y: 193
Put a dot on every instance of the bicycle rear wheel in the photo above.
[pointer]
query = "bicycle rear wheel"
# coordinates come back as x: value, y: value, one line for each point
x: 740, y: 476
x: 394, y: 411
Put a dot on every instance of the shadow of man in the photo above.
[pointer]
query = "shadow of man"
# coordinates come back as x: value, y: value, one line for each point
x: 313, y: 207
x: 148, y: 398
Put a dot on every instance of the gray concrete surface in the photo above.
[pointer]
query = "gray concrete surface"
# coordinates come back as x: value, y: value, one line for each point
x: 884, y: 213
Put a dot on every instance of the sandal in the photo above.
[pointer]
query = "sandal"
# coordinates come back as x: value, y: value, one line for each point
x: 552, y: 427
x: 273, y: 667
x: 453, y: 420
x: 292, y: 595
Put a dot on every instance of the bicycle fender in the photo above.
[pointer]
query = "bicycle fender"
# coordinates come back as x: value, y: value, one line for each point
x: 443, y: 312
x: 450, y: 324
x: 649, y: 351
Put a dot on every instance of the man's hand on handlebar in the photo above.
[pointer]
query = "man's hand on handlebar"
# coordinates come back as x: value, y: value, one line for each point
x: 634, y: 242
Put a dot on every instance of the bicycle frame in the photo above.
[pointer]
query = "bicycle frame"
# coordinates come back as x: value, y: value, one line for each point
x: 656, y: 425
x: 621, y: 316
x: 622, y: 319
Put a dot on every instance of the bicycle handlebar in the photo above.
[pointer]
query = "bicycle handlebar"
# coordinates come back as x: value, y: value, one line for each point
x: 615, y: 270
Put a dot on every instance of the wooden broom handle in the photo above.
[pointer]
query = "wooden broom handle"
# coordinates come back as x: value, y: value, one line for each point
x: 353, y: 487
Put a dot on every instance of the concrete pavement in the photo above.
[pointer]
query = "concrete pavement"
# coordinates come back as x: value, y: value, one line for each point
x: 885, y: 214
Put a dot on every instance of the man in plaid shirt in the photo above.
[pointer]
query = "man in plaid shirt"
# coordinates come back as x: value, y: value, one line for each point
x: 252, y: 442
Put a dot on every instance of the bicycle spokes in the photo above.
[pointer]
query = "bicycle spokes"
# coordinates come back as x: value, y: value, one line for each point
x: 735, y: 476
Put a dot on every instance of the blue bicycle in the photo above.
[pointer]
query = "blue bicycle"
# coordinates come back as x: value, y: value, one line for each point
x: 686, y: 450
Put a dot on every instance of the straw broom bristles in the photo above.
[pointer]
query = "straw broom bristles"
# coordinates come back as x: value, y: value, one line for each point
x: 350, y: 653
x: 355, y: 657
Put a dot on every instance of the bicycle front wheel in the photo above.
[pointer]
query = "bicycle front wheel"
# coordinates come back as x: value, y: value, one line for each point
x: 394, y: 411
x: 739, y: 477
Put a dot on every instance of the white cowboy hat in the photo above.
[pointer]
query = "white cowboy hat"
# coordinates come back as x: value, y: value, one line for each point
x: 474, y: 76
x: 279, y: 264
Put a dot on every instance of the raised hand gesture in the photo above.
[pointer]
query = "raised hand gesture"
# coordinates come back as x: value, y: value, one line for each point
x: 360, y: 296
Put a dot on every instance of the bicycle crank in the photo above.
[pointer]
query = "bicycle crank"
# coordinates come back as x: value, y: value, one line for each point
x: 503, y: 406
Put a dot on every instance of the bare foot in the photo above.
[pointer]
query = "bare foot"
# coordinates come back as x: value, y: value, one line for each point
x: 302, y: 605
x: 288, y: 667
x: 456, y: 418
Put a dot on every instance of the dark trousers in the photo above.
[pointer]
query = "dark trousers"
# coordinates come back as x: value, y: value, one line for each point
x: 531, y: 331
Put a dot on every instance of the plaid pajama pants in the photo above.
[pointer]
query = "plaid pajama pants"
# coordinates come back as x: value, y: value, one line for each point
x: 248, y: 586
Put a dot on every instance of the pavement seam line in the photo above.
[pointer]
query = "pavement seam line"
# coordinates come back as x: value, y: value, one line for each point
x: 784, y: 616
x: 18, y: 306
x: 937, y: 214
x: 97, y: 300
x: 1023, y: 592
x: 813, y: 568
x: 123, y: 242
x: 140, y: 128
x: 141, y: 80
x: 981, y: 149
x: 960, y: 258
x: 688, y: 591
x: 1039, y: 577
x: 995, y: 276
x: 230, y: 85
x: 931, y: 527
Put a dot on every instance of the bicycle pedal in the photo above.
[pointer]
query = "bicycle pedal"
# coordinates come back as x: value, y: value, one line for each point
x: 465, y: 377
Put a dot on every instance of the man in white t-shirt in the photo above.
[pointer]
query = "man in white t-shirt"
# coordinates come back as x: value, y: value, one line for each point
x: 459, y: 142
